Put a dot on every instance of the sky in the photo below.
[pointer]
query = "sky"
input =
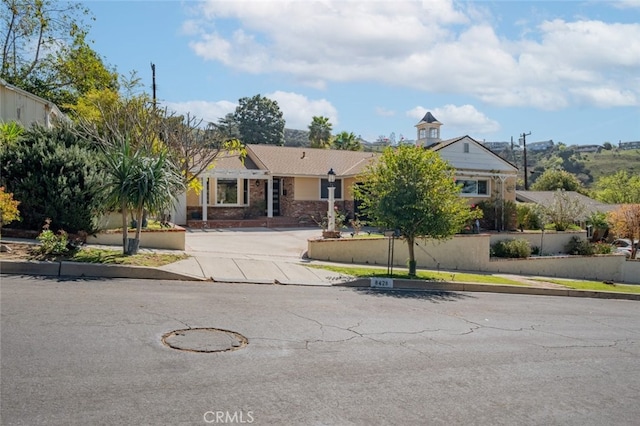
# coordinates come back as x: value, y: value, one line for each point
x: 567, y: 71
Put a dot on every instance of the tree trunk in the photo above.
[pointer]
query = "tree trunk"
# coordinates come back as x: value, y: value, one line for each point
x: 135, y: 245
x: 412, y: 257
x: 125, y: 227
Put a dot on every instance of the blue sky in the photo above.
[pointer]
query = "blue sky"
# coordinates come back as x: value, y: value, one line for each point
x: 563, y: 70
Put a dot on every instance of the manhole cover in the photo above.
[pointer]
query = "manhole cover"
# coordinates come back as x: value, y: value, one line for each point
x: 204, y: 340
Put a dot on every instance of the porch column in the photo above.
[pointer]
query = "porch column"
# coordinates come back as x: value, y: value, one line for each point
x: 270, y: 197
x: 205, y: 186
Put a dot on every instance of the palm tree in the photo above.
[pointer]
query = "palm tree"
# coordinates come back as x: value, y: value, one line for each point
x: 139, y: 181
x: 320, y: 132
x: 120, y: 162
x: 347, y: 141
x: 152, y: 186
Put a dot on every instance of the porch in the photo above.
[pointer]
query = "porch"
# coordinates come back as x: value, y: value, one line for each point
x: 256, y: 222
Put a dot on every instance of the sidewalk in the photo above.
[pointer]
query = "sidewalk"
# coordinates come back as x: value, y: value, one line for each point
x: 268, y: 256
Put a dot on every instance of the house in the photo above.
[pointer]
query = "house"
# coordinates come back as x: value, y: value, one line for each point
x: 273, y: 186
x: 26, y: 108
x: 629, y: 145
x: 288, y: 186
x: 483, y: 174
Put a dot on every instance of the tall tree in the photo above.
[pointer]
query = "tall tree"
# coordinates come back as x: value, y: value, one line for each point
x: 618, y: 188
x: 347, y: 141
x: 320, y: 132
x: 142, y: 176
x: 45, y: 52
x: 195, y: 148
x: 557, y: 179
x: 260, y: 121
x: 413, y: 190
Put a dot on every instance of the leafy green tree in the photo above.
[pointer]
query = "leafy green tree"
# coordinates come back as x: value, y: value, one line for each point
x: 618, y: 188
x: 320, y: 132
x: 260, y: 121
x: 55, y: 174
x: 413, y: 190
x: 226, y: 128
x: 45, y: 52
x: 347, y: 141
x: 555, y: 179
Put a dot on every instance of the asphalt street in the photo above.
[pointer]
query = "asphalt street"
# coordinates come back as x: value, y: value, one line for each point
x: 89, y: 352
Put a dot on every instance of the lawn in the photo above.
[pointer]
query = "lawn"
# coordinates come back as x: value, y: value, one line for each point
x: 426, y: 275
x: 115, y: 257
x: 594, y: 285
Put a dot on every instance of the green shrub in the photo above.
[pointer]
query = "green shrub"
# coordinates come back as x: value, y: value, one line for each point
x: 55, y: 175
x: 52, y: 243
x: 517, y: 248
x: 602, y: 248
x: 577, y: 246
x: 528, y: 217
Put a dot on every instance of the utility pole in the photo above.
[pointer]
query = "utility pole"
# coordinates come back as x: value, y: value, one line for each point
x: 523, y: 138
x: 153, y: 84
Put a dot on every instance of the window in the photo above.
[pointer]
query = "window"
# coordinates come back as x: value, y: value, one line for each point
x: 324, y: 189
x: 466, y: 147
x: 433, y: 133
x: 474, y: 187
x: 227, y: 191
x: 423, y: 134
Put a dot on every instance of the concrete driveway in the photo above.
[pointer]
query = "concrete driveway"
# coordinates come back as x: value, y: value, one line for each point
x: 250, y: 243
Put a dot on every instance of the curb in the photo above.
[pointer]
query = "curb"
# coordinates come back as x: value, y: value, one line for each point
x: 402, y: 284
x: 94, y: 270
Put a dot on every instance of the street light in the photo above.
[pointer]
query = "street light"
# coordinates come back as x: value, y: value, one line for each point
x: 331, y: 177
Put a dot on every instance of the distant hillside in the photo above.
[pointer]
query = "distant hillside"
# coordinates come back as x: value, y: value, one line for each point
x: 588, y: 167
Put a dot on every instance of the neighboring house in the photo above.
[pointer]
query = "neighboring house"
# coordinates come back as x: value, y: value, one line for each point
x: 540, y: 146
x: 287, y: 186
x: 629, y: 145
x: 484, y: 174
x: 25, y: 108
x: 546, y: 198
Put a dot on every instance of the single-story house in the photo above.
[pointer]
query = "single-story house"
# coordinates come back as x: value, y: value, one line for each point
x: 546, y: 198
x: 288, y: 186
x: 26, y: 108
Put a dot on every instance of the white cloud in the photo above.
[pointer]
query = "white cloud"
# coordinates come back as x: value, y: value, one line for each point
x: 435, y: 46
x: 298, y: 110
x: 210, y: 112
x: 626, y: 4
x: 463, y: 119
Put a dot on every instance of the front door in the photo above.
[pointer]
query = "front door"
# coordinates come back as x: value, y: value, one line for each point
x: 276, y: 195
